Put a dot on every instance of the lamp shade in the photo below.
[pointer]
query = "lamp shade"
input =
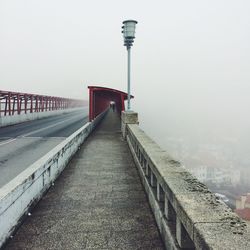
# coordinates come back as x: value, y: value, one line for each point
x: 129, y: 28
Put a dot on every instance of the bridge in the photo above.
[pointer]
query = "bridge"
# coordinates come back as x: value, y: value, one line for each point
x: 73, y: 180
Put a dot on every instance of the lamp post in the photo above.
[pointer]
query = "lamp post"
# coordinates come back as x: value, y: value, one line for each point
x: 128, y: 30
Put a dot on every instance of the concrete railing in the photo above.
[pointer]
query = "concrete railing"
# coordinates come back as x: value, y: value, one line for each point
x: 188, y: 215
x: 19, y: 195
x: 15, y: 119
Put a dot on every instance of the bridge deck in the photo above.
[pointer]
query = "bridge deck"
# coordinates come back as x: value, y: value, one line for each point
x: 97, y: 203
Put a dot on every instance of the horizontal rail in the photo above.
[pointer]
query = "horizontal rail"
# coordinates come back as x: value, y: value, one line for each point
x: 15, y: 103
x: 188, y: 215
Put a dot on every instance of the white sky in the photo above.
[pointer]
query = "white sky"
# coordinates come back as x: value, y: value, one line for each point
x: 190, y: 59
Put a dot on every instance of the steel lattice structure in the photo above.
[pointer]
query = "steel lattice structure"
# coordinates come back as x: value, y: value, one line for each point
x: 15, y: 103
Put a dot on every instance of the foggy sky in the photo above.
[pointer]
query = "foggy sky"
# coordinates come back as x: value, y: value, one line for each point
x: 190, y: 59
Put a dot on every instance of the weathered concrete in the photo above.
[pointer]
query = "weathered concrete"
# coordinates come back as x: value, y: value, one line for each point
x: 97, y: 203
x: 188, y: 215
x: 17, y: 196
x: 128, y: 117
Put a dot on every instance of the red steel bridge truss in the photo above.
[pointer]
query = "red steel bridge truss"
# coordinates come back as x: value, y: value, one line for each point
x: 14, y: 103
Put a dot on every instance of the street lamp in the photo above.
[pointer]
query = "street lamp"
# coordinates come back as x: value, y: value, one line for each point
x: 128, y: 30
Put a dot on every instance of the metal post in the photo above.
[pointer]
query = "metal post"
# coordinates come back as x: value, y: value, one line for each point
x: 129, y: 52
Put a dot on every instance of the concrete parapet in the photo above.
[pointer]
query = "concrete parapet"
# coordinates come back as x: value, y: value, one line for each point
x: 128, y: 117
x: 188, y: 215
x: 24, y: 191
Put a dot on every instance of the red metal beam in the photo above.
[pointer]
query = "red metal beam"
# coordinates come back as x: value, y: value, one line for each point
x: 16, y: 103
x: 100, y: 98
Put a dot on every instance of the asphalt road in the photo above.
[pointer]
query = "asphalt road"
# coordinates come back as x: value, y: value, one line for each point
x: 23, y: 144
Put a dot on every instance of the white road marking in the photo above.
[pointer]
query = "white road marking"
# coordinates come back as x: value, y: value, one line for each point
x: 33, y: 137
x: 8, y: 141
x: 38, y: 130
x: 50, y: 126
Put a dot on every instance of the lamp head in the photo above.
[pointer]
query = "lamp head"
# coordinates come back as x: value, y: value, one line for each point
x: 128, y: 30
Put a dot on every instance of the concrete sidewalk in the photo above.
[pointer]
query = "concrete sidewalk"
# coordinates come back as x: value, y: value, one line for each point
x: 97, y: 203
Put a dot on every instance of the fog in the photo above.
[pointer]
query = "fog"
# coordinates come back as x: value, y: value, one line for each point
x: 190, y: 65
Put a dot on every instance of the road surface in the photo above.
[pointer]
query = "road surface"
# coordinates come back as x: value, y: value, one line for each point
x: 23, y: 144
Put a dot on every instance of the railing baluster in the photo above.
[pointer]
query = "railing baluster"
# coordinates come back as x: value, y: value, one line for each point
x: 182, y: 236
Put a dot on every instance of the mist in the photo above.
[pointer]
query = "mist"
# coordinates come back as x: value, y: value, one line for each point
x: 190, y: 66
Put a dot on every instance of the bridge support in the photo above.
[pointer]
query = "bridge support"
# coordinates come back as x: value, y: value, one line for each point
x: 128, y: 117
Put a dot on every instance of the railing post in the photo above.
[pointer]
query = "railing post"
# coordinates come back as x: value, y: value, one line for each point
x: 9, y: 102
x: 169, y: 211
x: 147, y: 171
x: 128, y: 117
x: 182, y: 236
x: 153, y: 180
x: 31, y: 104
x: 25, y: 103
x: 160, y: 193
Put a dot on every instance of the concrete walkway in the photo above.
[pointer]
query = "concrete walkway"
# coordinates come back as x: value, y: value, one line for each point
x: 97, y: 203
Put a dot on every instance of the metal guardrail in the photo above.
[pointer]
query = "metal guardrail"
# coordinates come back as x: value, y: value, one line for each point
x: 188, y: 215
x: 15, y: 103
